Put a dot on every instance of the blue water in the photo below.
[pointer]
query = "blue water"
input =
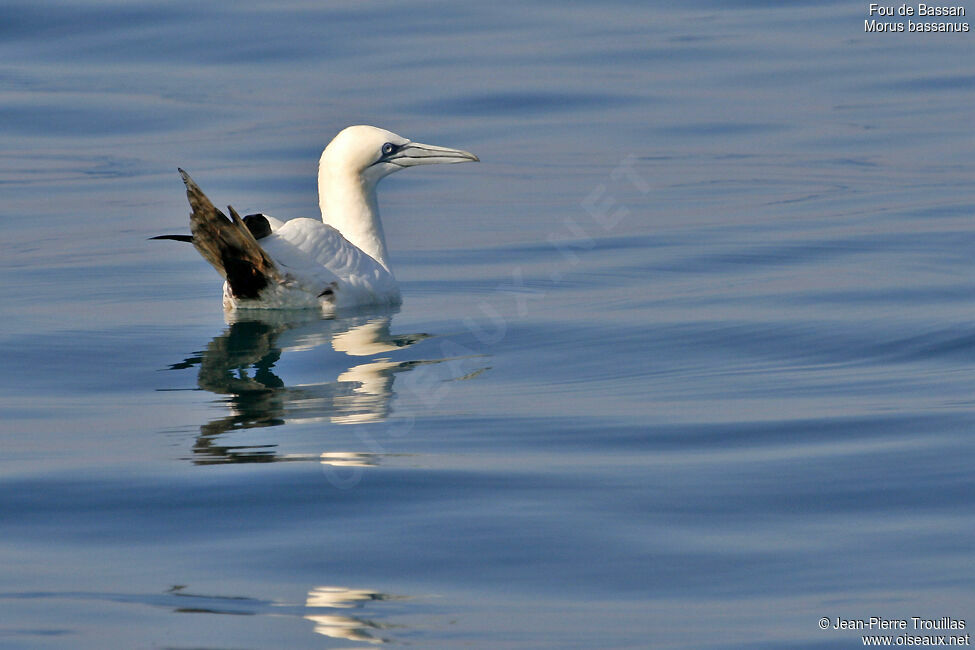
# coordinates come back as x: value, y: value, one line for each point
x: 685, y: 362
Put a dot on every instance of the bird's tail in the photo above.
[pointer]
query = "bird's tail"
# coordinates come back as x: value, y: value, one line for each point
x: 188, y: 238
x: 228, y: 245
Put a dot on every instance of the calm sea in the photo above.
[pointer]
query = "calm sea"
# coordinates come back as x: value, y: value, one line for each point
x: 687, y: 361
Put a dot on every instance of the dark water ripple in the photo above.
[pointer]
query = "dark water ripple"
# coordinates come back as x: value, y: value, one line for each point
x: 525, y: 103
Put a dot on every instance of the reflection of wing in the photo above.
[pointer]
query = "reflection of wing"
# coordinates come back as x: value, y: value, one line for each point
x: 246, y: 344
x: 370, y: 398
x: 373, y: 337
x: 373, y: 392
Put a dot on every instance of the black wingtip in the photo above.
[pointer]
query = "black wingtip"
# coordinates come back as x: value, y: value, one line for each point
x: 186, y: 238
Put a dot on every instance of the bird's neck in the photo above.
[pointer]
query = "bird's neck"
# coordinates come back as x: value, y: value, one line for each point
x: 348, y: 204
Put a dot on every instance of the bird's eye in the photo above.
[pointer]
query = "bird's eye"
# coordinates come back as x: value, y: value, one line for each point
x: 388, y: 148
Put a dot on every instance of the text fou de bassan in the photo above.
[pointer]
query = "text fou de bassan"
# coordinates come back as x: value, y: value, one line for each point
x: 884, y: 18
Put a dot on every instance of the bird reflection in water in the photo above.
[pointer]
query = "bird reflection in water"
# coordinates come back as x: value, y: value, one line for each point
x: 326, y: 607
x: 240, y: 363
x: 350, y: 628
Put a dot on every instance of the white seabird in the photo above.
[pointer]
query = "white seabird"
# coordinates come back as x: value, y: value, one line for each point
x: 340, y: 261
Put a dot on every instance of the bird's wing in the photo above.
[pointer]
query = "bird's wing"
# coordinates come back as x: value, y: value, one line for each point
x: 310, y: 247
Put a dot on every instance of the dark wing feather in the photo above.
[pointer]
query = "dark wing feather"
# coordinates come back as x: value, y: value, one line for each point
x: 228, y: 245
x: 187, y: 238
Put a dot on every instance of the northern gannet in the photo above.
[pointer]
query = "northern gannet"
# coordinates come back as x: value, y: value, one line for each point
x: 340, y: 261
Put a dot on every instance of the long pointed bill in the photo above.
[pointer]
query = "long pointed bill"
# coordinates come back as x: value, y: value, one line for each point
x: 415, y: 153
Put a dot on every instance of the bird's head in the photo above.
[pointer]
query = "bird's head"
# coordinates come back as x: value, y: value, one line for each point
x: 373, y: 153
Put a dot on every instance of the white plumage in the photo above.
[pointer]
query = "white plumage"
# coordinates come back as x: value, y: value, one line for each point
x: 314, y: 257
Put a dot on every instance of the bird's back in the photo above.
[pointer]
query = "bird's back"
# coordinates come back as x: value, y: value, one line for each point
x: 317, y: 256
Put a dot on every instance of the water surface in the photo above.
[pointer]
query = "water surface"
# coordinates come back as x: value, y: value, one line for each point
x: 685, y: 362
